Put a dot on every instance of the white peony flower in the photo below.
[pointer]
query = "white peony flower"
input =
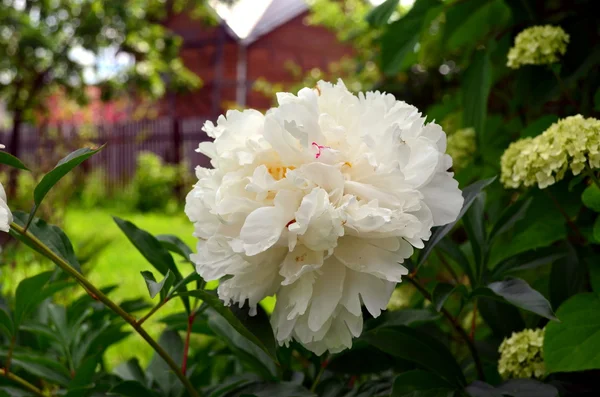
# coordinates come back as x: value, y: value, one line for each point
x: 318, y: 202
x: 6, y: 217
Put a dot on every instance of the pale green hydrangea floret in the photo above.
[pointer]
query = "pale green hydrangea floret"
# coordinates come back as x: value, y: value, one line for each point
x: 521, y: 355
x: 573, y: 142
x: 461, y: 146
x: 538, y: 45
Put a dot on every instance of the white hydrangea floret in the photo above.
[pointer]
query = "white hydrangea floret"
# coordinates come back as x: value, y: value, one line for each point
x: 6, y: 217
x: 319, y: 202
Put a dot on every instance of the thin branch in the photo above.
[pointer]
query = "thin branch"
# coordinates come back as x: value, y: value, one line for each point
x: 319, y: 374
x: 459, y: 329
x: 17, y: 379
x: 11, y: 348
x: 151, y: 312
x: 186, y: 347
x: 99, y: 295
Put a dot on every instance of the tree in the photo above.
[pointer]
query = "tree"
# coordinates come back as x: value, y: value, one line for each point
x: 40, y: 41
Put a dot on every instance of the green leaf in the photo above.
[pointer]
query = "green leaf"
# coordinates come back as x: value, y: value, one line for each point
x: 416, y: 346
x: 283, y: 389
x: 469, y: 194
x: 502, y: 318
x: 132, y: 388
x: 29, y: 294
x: 528, y: 260
x: 568, y: 276
x: 176, y: 245
x: 247, y: 351
x: 64, y: 166
x: 476, y: 87
x: 131, y: 370
x: 153, y: 251
x: 162, y: 374
x: 40, y: 366
x: 596, y: 229
x: 181, y: 285
x: 405, y: 317
x: 538, y: 126
x: 11, y: 161
x: 473, y: 222
x: 82, y: 383
x: 512, y: 388
x: 259, y: 325
x: 510, y: 217
x: 572, y: 344
x: 591, y: 197
x: 179, y: 322
x: 418, y: 383
x: 400, y: 37
x: 6, y: 324
x: 218, y: 306
x: 381, y: 14
x: 442, y: 292
x: 361, y: 359
x: 52, y: 236
x: 520, y: 294
x: 155, y: 288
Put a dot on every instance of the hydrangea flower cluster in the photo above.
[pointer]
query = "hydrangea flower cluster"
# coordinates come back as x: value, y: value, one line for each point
x: 573, y: 142
x: 538, y: 45
x: 6, y: 217
x: 461, y: 147
x: 521, y: 355
x: 319, y: 202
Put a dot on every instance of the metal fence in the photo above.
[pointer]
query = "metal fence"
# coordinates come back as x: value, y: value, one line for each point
x: 173, y: 140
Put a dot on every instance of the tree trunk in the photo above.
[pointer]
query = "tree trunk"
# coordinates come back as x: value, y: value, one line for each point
x: 15, y: 149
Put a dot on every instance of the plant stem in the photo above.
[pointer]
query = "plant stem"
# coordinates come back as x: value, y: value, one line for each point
x: 11, y: 348
x: 99, y: 295
x: 592, y: 176
x: 186, y: 347
x: 151, y: 312
x: 456, y: 326
x: 17, y: 379
x: 319, y: 374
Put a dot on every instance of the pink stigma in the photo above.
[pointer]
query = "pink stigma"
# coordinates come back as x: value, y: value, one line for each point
x: 319, y: 148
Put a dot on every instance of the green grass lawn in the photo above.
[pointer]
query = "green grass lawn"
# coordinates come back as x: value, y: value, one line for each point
x: 119, y: 263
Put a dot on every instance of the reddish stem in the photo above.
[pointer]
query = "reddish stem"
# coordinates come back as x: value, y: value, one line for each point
x: 186, y: 347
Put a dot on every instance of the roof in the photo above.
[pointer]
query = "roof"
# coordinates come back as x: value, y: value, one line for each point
x: 247, y: 20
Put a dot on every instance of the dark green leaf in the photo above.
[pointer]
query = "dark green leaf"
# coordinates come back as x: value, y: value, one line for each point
x: 469, y: 194
x: 180, y: 285
x: 475, y: 92
x: 12, y: 161
x: 457, y: 255
x: 179, y: 322
x: 527, y: 388
x: 162, y: 374
x: 40, y: 366
x: 6, y: 324
x: 502, y: 318
x: 591, y: 197
x: 64, y: 166
x: 509, y: 217
x: 28, y: 295
x: 406, y: 317
x: 258, y: 324
x: 283, y: 389
x: 474, y: 225
x: 442, y: 292
x: 155, y: 288
x: 176, y: 245
x: 361, y: 359
x: 400, y: 37
x: 572, y: 344
x: 418, y: 383
x: 218, y: 306
x: 131, y: 370
x: 153, y: 251
x: 416, y: 346
x: 381, y: 14
x: 247, y: 351
x: 82, y: 383
x: 482, y: 389
x: 528, y: 260
x: 538, y: 126
x: 568, y: 276
x: 52, y: 236
x: 132, y: 388
x: 520, y: 294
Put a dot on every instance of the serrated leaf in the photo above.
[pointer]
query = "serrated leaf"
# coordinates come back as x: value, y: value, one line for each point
x: 416, y: 346
x: 218, y: 306
x: 10, y: 160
